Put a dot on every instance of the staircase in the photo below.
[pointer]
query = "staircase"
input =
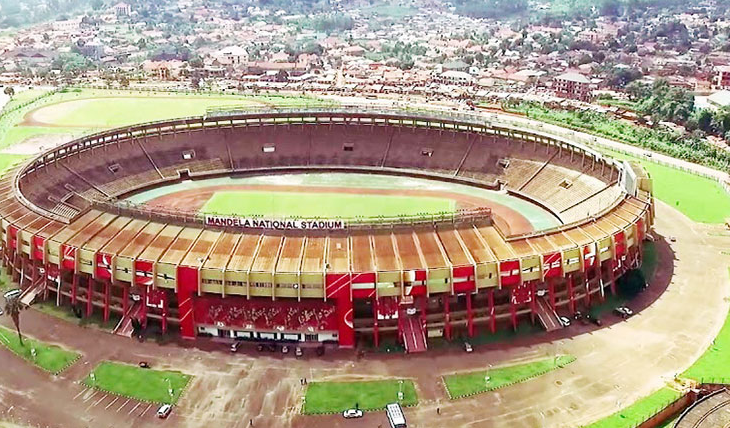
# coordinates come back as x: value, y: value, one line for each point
x: 125, y: 327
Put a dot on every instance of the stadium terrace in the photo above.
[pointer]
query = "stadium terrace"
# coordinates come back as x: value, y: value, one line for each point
x: 65, y: 233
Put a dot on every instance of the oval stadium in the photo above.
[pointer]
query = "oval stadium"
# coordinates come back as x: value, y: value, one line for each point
x: 339, y: 226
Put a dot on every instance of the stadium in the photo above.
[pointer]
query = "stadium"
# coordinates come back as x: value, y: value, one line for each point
x: 154, y: 222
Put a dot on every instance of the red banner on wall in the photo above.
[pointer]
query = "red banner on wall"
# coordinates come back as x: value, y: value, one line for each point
x: 103, y: 266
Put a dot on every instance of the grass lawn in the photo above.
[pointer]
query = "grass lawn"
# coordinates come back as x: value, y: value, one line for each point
x: 18, y: 134
x: 138, y: 383
x: 121, y: 111
x: 461, y: 385
x: 640, y: 411
x: 333, y: 397
x: 65, y: 313
x: 50, y: 358
x: 290, y: 204
x: 81, y: 111
x: 714, y: 365
x: 23, y: 97
x: 7, y: 161
x: 699, y: 198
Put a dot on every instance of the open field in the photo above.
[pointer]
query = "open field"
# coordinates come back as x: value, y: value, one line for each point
x: 289, y: 204
x: 76, y: 112
x: 699, y: 198
x: 639, y: 411
x: 333, y: 397
x: 50, y: 358
x: 714, y: 365
x: 138, y: 383
x: 460, y: 385
x: 96, y: 320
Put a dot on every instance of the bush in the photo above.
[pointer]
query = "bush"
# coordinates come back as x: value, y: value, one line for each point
x: 631, y: 283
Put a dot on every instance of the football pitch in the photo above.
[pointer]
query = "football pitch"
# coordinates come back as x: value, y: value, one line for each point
x: 329, y: 205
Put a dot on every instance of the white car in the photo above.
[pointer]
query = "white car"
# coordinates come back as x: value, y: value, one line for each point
x: 12, y: 294
x: 467, y: 347
x: 352, y: 414
x: 565, y: 321
x: 623, y: 312
x: 164, y: 411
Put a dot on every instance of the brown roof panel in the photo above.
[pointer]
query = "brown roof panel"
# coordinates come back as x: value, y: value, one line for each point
x: 385, y: 258
x: 453, y: 248
x: 291, y: 255
x: 407, y: 250
x: 79, y: 224
x: 123, y: 238
x: 265, y: 260
x: 222, y: 251
x: 496, y: 243
x: 337, y: 255
x: 105, y: 235
x: 244, y: 252
x: 362, y: 254
x: 313, y: 259
x: 476, y: 246
x: 160, y: 243
x: 430, y: 249
x: 200, y: 250
x: 179, y: 247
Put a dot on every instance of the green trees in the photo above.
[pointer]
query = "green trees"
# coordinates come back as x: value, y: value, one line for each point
x: 13, y: 306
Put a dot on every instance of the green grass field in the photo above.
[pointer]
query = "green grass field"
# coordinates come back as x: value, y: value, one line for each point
x: 461, y: 385
x: 138, y: 383
x: 77, y: 112
x: 50, y: 358
x: 289, y: 204
x: 7, y: 161
x: 714, y: 365
x: 701, y: 199
x: 333, y: 397
x: 640, y: 411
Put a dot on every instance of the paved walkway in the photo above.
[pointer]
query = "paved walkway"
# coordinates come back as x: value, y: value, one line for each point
x: 616, y: 365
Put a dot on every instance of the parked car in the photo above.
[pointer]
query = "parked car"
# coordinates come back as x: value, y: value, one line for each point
x: 623, y: 311
x: 673, y: 238
x: 164, y: 411
x: 298, y: 351
x: 541, y: 293
x: 597, y: 321
x: 260, y: 347
x: 285, y: 349
x: 144, y: 364
x: 467, y: 347
x: 235, y: 346
x: 12, y: 294
x: 565, y: 321
x: 352, y: 413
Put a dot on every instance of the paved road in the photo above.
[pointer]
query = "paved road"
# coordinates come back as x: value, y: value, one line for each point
x: 616, y: 365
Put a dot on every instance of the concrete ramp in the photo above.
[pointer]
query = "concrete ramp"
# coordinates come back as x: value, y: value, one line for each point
x: 30, y: 293
x: 414, y: 335
x: 125, y: 327
x: 547, y: 316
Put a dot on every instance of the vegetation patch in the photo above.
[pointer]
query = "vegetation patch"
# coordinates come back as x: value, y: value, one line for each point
x: 50, y: 358
x: 687, y: 192
x: 156, y: 386
x: 460, y: 385
x: 714, y: 365
x: 96, y: 320
x: 640, y: 411
x: 334, y: 397
x: 328, y: 204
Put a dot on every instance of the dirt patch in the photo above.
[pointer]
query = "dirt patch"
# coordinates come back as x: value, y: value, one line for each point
x: 37, y: 144
x: 509, y: 220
